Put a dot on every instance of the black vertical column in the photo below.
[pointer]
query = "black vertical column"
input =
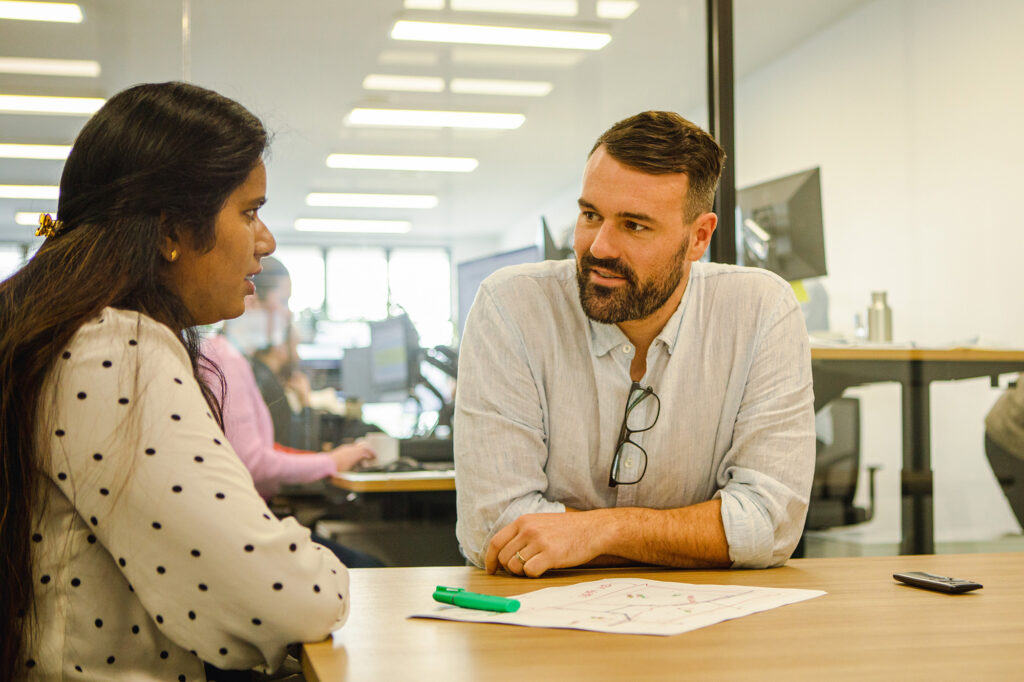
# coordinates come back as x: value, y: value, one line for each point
x: 722, y: 117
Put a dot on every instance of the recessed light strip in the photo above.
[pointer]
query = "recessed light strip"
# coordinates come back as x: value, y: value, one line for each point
x: 377, y: 81
x: 371, y: 200
x: 64, y: 12
x: 342, y: 225
x: 479, y: 86
x: 450, y: 164
x: 34, y: 151
x: 440, y: 32
x: 27, y: 218
x: 616, y: 9
x: 29, y: 191
x: 556, y: 8
x: 69, y: 106
x: 80, y: 68
x: 433, y: 119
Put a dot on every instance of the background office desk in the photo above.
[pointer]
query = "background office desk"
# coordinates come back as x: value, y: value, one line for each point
x: 836, y: 369
x: 405, y: 518
x: 398, y: 482
x: 866, y: 627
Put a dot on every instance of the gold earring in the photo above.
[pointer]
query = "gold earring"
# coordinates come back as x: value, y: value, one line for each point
x: 173, y: 256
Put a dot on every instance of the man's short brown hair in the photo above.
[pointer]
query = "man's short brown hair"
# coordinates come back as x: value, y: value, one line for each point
x: 659, y: 142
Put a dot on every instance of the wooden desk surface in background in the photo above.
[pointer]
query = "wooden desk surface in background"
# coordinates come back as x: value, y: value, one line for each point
x: 401, y: 482
x: 866, y: 627
x: 930, y: 354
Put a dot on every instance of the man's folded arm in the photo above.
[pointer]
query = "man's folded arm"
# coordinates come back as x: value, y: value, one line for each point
x: 499, y: 441
x: 765, y: 478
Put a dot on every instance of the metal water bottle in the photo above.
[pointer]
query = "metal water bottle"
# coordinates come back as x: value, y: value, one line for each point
x: 879, y: 318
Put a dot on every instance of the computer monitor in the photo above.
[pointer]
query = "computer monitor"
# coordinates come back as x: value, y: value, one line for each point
x: 357, y: 374
x: 394, y: 357
x: 780, y: 226
x: 472, y: 273
x: 551, y: 250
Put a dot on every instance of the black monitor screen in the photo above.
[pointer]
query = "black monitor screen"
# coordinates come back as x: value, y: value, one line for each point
x: 394, y: 355
x: 780, y: 226
x: 472, y: 273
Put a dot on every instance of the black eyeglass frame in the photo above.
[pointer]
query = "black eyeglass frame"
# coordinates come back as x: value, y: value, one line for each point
x: 625, y: 432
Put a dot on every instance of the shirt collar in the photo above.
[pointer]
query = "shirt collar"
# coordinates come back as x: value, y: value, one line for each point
x: 604, y: 337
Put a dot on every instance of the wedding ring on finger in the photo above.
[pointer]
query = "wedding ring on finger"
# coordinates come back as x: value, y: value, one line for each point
x: 520, y: 557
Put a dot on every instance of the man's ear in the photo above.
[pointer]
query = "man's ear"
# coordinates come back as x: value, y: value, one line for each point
x: 701, y: 230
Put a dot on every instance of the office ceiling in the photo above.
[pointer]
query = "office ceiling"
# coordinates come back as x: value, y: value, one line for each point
x: 300, y: 65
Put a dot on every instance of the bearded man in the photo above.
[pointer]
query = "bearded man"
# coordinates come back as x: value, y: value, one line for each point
x: 636, y: 405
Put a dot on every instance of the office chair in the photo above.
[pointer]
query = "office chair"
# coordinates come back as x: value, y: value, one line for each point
x: 836, y: 469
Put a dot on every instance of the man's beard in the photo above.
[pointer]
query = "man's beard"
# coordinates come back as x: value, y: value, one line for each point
x: 634, y: 300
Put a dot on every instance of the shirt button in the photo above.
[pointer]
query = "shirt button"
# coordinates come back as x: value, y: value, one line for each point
x: 627, y: 348
x: 629, y: 462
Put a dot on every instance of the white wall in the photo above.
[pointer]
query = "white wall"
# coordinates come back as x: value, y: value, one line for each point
x: 913, y: 110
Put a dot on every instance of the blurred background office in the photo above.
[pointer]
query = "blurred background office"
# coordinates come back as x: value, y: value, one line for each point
x: 387, y: 221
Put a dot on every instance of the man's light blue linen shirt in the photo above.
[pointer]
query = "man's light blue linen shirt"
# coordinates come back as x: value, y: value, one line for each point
x: 542, y: 391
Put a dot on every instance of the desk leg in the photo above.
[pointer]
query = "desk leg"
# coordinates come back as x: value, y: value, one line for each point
x: 916, y: 477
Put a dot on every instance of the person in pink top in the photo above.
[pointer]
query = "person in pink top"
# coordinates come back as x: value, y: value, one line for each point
x: 249, y: 428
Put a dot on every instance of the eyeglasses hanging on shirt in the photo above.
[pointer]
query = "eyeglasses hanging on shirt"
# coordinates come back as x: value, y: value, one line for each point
x: 630, y: 462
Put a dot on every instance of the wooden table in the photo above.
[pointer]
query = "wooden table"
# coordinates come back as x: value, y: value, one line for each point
x: 836, y: 369
x: 866, y: 627
x: 398, y: 482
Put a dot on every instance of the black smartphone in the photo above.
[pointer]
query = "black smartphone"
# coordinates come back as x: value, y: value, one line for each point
x: 938, y: 583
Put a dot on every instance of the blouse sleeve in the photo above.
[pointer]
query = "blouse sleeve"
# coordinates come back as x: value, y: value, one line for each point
x: 162, y: 490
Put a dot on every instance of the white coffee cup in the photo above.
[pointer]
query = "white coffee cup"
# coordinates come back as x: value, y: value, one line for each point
x: 384, y: 447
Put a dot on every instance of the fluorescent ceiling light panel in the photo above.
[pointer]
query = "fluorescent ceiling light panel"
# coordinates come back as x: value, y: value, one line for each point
x: 439, y: 32
x: 80, y: 68
x: 34, y: 151
x: 371, y: 200
x: 377, y: 81
x: 29, y: 192
x: 72, y: 106
x: 341, y: 225
x: 451, y: 164
x: 65, y: 12
x: 478, y: 86
x: 27, y: 218
x: 616, y: 9
x: 556, y: 8
x: 516, y: 57
x: 417, y: 118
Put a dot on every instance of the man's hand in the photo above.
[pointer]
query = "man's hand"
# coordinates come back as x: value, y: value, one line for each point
x: 684, y: 537
x: 535, y: 543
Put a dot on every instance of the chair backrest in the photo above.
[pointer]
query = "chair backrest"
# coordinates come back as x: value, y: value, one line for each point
x: 837, y: 464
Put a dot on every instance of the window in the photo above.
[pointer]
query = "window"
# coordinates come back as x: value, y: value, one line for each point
x: 420, y: 282
x: 306, y: 267
x: 357, y: 284
x: 10, y: 261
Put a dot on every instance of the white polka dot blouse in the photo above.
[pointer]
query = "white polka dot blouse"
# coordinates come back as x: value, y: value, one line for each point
x: 152, y: 551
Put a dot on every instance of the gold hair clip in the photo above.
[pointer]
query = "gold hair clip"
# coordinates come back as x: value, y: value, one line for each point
x: 48, y: 227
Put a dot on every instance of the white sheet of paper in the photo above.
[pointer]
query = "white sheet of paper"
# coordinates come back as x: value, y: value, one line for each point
x: 632, y: 606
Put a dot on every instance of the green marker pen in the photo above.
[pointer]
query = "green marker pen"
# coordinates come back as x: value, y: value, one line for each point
x: 472, y: 600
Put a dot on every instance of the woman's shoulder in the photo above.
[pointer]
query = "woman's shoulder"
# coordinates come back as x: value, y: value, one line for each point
x: 115, y: 329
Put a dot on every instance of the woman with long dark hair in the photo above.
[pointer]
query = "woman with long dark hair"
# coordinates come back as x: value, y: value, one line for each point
x: 134, y: 545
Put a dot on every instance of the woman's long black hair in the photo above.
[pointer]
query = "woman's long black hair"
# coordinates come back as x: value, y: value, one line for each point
x: 156, y: 160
